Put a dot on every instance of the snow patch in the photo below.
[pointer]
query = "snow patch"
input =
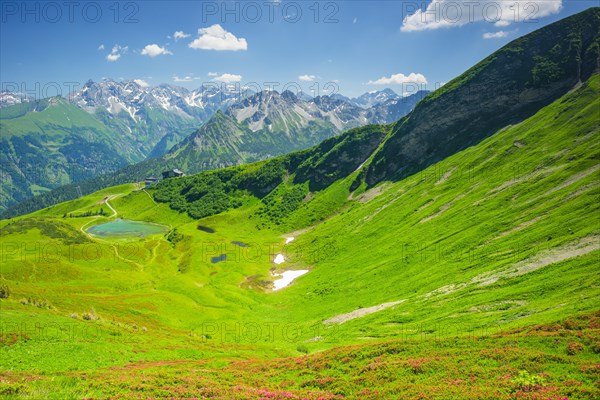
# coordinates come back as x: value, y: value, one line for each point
x: 287, y: 277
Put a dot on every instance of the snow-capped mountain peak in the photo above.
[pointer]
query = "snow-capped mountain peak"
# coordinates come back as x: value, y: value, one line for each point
x: 375, y: 97
x: 131, y: 96
x: 8, y: 98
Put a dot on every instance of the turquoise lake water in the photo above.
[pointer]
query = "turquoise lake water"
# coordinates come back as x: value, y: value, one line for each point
x: 126, y: 228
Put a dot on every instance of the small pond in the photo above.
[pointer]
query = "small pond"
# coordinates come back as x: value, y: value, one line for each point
x: 126, y: 228
x: 206, y: 229
x: 220, y: 258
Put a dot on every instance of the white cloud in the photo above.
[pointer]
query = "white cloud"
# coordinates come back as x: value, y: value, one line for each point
x: 495, y: 35
x: 141, y: 82
x: 400, y: 79
x: 307, y: 78
x: 216, y: 38
x: 153, y: 50
x: 454, y: 13
x: 116, y: 52
x: 228, y: 78
x: 101, y: 47
x: 180, y: 35
x: 212, y: 74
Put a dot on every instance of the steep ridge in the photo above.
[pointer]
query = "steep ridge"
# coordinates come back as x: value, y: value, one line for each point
x: 264, y: 125
x: 269, y: 124
x: 507, y: 87
x: 216, y: 144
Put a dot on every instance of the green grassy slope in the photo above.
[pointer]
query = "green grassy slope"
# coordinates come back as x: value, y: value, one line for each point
x: 49, y: 143
x: 51, y: 116
x: 525, y: 198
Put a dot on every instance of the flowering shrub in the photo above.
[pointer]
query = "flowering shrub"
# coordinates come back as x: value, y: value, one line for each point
x: 574, y: 348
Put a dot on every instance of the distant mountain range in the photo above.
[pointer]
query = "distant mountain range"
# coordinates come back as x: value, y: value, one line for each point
x: 264, y: 125
x: 115, y: 124
x: 157, y: 116
x: 133, y: 97
x: 370, y: 99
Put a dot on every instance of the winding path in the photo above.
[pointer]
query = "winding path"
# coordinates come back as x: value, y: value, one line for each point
x: 98, y: 216
x: 144, y: 190
x: 111, y: 207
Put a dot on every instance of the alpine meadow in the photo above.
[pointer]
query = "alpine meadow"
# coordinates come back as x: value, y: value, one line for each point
x: 300, y: 200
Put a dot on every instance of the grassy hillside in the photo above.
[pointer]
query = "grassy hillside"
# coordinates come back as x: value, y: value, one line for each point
x: 153, y: 134
x: 49, y: 143
x: 498, y: 237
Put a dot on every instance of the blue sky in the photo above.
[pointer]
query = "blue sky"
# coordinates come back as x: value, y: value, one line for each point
x: 355, y: 46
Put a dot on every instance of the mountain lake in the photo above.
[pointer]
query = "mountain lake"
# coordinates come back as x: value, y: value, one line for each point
x: 124, y: 228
